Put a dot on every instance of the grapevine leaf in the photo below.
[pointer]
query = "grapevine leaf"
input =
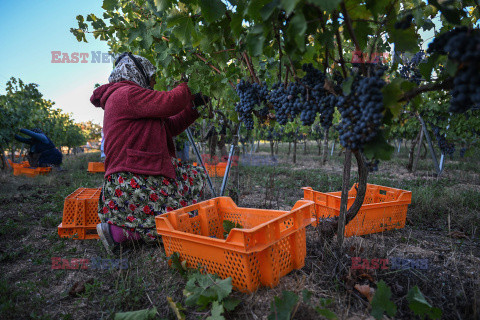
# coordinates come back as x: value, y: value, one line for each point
x: 183, y: 27
x: 306, y: 295
x: 326, y: 313
x: 450, y: 13
x: 327, y: 5
x: 217, y: 310
x: 236, y: 24
x: 392, y: 93
x: 109, y: 5
x: 268, y: 9
x: 296, y: 31
x: 223, y: 288
x: 426, y: 67
x: 255, y: 43
x: 212, y: 9
x: 347, y: 86
x: 451, y: 67
x: 377, y: 6
x: 404, y: 40
x: 289, y: 5
x: 230, y: 303
x: 254, y: 7
x: 281, y: 308
x: 381, y: 302
x: 362, y: 31
x: 162, y: 4
x: 145, y: 314
x: 378, y: 148
x: 420, y: 306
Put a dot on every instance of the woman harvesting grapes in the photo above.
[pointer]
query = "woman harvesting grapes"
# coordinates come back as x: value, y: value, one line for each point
x: 143, y: 178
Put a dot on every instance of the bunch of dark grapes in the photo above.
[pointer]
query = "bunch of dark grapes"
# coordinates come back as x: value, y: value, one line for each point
x: 278, y: 98
x: 409, y: 69
x: 462, y: 152
x: 362, y: 111
x: 327, y: 109
x: 405, y: 23
x: 250, y: 96
x: 462, y: 45
x: 262, y: 91
x: 445, y: 147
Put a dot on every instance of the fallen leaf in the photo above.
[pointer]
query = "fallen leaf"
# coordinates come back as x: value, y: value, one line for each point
x: 78, y: 288
x: 367, y: 276
x: 366, y: 291
x: 457, y: 235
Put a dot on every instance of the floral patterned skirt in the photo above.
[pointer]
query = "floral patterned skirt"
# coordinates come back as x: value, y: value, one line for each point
x: 132, y: 201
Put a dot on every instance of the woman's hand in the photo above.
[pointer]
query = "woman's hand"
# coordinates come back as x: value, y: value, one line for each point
x: 200, y: 100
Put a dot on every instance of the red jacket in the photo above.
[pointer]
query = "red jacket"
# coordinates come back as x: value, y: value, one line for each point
x: 138, y: 126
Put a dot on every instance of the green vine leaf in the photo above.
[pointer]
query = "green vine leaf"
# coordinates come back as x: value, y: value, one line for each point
x: 381, y: 302
x: 212, y: 9
x: 145, y: 314
x: 217, y: 310
x: 281, y: 308
x: 420, y: 306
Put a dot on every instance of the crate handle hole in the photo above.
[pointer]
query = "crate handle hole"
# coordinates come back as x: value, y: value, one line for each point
x: 383, y: 192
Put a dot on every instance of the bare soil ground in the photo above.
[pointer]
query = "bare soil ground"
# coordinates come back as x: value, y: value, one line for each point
x: 443, y: 226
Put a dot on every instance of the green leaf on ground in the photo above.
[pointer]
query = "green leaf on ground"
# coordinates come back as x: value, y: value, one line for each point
x: 145, y: 314
x: 230, y: 304
x: 203, y: 289
x: 217, y: 310
x: 420, y: 306
x: 326, y: 313
x: 381, y: 302
x: 281, y: 308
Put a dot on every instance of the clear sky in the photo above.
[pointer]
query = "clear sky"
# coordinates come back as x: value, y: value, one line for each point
x: 30, y: 31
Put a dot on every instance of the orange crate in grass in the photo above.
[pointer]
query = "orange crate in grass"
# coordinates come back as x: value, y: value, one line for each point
x: 96, y: 167
x: 383, y: 209
x: 216, y: 170
x: 269, y: 246
x: 25, y: 169
x: 80, y: 214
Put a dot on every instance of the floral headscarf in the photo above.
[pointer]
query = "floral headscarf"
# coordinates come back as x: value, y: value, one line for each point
x: 127, y: 70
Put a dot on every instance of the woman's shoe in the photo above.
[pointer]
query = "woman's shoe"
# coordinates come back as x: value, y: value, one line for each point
x: 103, y: 230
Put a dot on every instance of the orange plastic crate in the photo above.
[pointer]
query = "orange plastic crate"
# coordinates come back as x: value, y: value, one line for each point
x: 96, y: 167
x: 80, y: 214
x: 218, y: 170
x: 25, y: 169
x: 271, y: 244
x: 383, y: 209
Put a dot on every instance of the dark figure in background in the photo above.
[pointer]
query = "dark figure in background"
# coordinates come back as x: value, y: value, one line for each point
x: 42, y: 151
